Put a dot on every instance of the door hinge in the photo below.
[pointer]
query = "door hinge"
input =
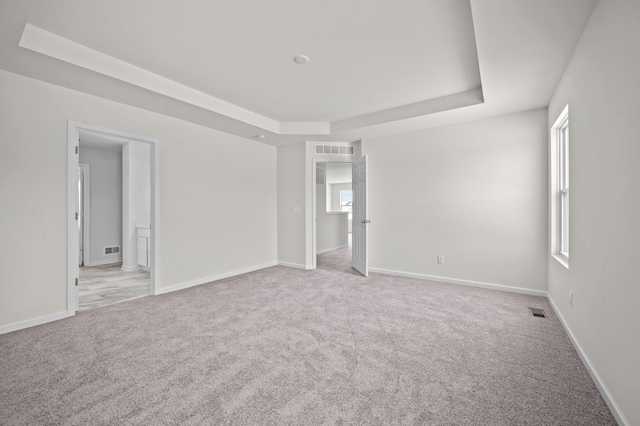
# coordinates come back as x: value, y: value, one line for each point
x: 76, y: 215
x: 76, y: 149
x: 76, y: 282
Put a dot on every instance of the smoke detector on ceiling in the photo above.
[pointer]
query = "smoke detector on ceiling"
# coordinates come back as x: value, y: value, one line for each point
x: 301, y: 59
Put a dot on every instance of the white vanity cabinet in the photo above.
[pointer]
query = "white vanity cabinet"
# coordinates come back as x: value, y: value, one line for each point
x: 144, y: 246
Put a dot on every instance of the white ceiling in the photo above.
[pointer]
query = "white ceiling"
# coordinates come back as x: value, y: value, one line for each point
x: 376, y: 67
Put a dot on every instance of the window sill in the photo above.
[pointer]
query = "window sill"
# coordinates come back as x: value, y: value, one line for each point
x: 564, y: 260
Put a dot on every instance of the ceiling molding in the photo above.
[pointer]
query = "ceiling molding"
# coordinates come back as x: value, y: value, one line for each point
x: 47, y: 43
x: 418, y: 109
x: 367, y: 77
x: 320, y: 128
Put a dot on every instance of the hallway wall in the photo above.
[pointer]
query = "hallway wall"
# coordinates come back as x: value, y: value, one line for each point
x: 105, y: 209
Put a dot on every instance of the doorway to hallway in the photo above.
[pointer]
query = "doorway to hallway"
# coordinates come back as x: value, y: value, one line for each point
x: 104, y: 285
x: 333, y: 207
x: 109, y: 216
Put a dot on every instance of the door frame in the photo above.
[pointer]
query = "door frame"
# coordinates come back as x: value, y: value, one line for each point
x: 85, y: 216
x: 74, y: 128
x: 314, y: 239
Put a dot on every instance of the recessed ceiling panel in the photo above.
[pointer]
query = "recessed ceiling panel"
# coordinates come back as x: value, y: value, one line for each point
x: 364, y: 56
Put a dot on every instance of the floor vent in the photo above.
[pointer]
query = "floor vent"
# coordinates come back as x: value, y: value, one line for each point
x: 538, y: 313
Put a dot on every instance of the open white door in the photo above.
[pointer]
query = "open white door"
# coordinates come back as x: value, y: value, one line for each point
x: 359, y: 253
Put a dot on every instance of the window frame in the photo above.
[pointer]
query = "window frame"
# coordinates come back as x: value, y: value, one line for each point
x: 560, y: 188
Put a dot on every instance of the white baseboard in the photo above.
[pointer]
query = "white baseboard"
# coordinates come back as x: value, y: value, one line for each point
x: 33, y: 322
x: 604, y: 391
x: 131, y: 268
x: 332, y: 249
x: 468, y: 283
x: 104, y: 261
x: 200, y: 281
x: 295, y: 265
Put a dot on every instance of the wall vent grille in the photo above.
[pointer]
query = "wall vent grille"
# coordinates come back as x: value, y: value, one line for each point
x: 335, y: 149
x: 112, y: 250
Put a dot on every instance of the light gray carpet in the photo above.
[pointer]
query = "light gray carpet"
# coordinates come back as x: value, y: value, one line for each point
x: 284, y: 346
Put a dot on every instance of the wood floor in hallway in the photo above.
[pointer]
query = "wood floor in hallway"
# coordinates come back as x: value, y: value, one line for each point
x: 107, y: 284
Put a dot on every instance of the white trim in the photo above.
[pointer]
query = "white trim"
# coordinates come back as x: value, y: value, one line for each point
x: 604, y: 391
x: 104, y: 262
x: 73, y: 162
x: 8, y: 328
x: 206, y: 280
x: 467, y: 283
x: 562, y: 258
x: 296, y: 265
x: 332, y: 249
x: 86, y: 210
x: 127, y: 247
x: 154, y: 226
x: 559, y: 167
x: 132, y: 268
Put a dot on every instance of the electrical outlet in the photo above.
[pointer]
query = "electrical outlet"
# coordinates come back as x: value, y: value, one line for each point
x: 440, y: 259
x: 571, y: 299
x: 242, y: 253
x: 235, y: 254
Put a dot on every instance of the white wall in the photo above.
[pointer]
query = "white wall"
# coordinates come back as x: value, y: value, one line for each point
x: 333, y: 193
x: 140, y: 182
x: 136, y: 163
x: 217, y: 194
x: 331, y: 228
x: 291, y: 205
x: 475, y: 193
x: 600, y: 85
x: 105, y: 203
x: 338, y: 172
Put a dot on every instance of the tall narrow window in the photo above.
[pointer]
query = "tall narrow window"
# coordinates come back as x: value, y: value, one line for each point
x: 560, y: 182
x: 346, y: 197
